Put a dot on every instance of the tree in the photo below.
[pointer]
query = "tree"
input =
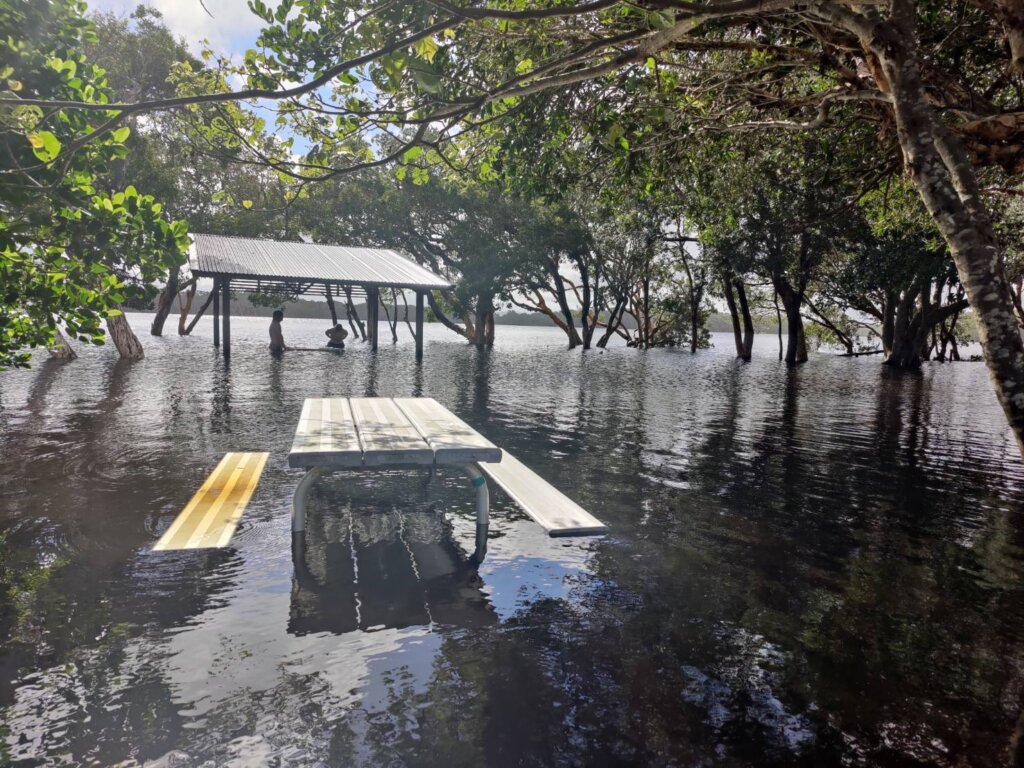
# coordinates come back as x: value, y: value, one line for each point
x: 928, y: 73
x: 72, y: 252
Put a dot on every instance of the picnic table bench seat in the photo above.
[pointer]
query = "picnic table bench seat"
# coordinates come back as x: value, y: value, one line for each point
x: 555, y: 512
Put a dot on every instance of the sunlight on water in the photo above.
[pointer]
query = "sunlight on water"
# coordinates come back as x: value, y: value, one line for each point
x: 821, y: 566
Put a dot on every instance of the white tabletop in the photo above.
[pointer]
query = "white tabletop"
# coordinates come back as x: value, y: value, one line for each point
x: 383, y: 432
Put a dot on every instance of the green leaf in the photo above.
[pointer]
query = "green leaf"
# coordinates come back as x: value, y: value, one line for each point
x: 121, y: 134
x: 661, y: 19
x: 45, y: 145
x: 524, y: 66
x: 247, y: 204
x: 412, y: 154
x: 426, y: 48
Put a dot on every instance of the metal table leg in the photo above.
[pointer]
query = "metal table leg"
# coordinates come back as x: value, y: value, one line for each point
x: 483, y: 506
x: 299, y: 500
x: 483, y: 499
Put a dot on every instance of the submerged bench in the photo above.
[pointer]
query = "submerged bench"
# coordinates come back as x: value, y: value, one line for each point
x: 381, y: 432
x: 211, y: 517
x: 555, y: 512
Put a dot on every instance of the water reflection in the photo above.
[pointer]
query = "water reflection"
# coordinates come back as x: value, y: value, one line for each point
x: 384, y: 570
x: 816, y: 567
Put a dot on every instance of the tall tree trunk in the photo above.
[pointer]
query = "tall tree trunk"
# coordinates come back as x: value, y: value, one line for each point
x: 748, y: 321
x: 482, y: 308
x: 186, y: 307
x: 358, y: 329
x: 164, y: 303
x: 330, y: 304
x: 128, y: 345
x: 581, y: 266
x: 563, y: 304
x: 489, y: 329
x: 61, y: 348
x: 889, y: 321
x: 944, y: 177
x: 734, y: 315
x: 778, y: 321
x: 613, y: 321
x: 792, y: 301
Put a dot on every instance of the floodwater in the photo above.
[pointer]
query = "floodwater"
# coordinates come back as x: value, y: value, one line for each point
x: 814, y: 567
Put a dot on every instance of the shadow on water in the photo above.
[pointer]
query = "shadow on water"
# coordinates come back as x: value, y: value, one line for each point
x: 820, y: 566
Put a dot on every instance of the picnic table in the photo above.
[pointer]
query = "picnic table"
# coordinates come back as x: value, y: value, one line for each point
x: 409, y: 432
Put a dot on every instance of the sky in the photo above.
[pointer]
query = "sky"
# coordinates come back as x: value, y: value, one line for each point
x: 230, y: 26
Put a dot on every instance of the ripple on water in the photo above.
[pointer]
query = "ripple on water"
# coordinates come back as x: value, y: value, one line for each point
x: 818, y: 566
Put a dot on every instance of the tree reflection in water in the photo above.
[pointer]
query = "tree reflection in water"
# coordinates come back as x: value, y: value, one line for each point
x: 816, y: 567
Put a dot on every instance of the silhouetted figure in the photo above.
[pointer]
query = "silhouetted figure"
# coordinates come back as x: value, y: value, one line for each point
x: 336, y: 337
x: 276, y: 337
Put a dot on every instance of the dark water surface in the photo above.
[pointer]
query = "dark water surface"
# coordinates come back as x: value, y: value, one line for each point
x: 818, y: 567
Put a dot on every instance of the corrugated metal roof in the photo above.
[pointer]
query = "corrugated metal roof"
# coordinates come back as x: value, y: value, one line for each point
x: 217, y: 255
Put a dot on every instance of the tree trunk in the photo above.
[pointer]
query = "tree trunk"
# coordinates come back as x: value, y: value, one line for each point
x: 186, y: 307
x: 889, y: 321
x: 61, y: 348
x: 748, y: 321
x: 128, y: 345
x: 489, y: 329
x: 778, y: 321
x: 734, y: 315
x: 792, y: 301
x: 164, y: 303
x: 563, y: 304
x: 199, y: 314
x: 581, y: 266
x: 330, y: 305
x: 358, y: 329
x: 905, y: 352
x: 613, y: 321
x: 945, y: 179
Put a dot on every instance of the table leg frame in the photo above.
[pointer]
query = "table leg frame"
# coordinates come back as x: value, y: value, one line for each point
x: 301, y: 496
x: 476, y: 477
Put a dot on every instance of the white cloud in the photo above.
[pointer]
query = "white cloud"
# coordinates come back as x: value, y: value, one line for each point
x: 229, y: 26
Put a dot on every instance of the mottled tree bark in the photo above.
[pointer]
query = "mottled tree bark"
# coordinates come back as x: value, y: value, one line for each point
x: 128, y: 345
x: 944, y: 177
x: 61, y: 348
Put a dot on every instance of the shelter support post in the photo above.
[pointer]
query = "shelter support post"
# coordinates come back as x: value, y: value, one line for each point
x: 419, y: 325
x: 372, y: 309
x: 216, y: 313
x: 226, y: 332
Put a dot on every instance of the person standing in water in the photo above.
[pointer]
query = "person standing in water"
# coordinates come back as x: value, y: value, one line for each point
x: 336, y: 337
x: 276, y: 337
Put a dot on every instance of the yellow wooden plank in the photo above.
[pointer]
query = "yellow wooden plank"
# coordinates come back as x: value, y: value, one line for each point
x: 182, y: 521
x: 212, y: 515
